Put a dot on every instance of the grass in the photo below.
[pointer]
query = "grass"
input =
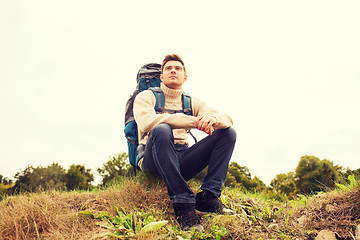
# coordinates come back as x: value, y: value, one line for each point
x: 139, y: 209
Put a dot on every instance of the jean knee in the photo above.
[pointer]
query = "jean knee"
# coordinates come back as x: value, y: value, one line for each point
x: 162, y: 130
x: 231, y: 134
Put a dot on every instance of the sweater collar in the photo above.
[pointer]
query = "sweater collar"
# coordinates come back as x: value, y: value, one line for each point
x: 172, y: 95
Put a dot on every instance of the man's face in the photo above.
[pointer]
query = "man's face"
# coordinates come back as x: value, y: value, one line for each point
x: 173, y: 75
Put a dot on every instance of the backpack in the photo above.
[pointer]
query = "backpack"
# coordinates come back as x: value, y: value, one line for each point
x: 148, y: 77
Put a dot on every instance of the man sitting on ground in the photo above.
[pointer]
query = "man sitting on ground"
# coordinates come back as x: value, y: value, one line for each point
x: 163, y: 138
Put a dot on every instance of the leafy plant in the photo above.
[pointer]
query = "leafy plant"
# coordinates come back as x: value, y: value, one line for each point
x: 352, y: 183
x: 133, y: 225
x: 127, y: 225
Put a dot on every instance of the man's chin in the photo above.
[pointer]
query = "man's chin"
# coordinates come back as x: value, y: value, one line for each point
x: 173, y: 86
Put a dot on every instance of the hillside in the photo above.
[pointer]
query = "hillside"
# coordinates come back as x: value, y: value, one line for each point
x: 137, y: 209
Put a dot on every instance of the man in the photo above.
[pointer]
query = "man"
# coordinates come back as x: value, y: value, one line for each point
x: 167, y: 154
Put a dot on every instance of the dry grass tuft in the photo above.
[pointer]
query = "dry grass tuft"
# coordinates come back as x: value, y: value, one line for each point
x: 54, y: 215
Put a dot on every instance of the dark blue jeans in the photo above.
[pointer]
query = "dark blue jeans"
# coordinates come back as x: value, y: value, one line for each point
x: 177, y: 164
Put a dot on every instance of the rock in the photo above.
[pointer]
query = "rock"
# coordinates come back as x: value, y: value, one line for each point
x: 302, y: 220
x: 357, y: 232
x: 326, y: 235
x: 321, y: 195
x: 228, y: 211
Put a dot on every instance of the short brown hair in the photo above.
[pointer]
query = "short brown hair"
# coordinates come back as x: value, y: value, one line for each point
x: 172, y: 57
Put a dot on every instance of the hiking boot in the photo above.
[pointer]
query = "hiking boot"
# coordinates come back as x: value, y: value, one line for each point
x: 186, y: 216
x: 207, y: 202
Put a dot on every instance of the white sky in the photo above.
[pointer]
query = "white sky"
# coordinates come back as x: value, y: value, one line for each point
x: 287, y: 72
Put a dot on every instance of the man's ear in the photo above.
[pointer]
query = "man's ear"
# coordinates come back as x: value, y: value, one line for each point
x: 161, y: 77
x: 185, y: 78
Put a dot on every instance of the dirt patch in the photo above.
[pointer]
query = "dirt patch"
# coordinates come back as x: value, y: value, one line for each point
x: 339, y: 213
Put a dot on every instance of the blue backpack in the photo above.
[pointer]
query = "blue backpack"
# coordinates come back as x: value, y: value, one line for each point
x: 148, y: 77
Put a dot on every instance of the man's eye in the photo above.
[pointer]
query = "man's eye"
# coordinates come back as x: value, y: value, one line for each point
x: 178, y: 68
x: 168, y: 68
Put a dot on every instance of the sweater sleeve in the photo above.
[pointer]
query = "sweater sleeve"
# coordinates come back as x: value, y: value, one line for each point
x: 201, y: 109
x: 146, y: 117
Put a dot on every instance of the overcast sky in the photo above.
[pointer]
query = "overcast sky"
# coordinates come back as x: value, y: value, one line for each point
x: 288, y: 72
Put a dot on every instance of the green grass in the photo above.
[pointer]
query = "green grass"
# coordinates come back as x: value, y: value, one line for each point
x: 139, y: 208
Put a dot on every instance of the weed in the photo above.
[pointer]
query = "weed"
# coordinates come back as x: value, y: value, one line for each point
x: 127, y: 225
x: 287, y: 217
x: 352, y: 184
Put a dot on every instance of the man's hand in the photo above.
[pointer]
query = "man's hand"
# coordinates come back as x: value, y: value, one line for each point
x: 205, y: 124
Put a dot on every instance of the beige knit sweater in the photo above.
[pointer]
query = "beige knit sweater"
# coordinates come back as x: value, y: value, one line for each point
x: 146, y: 117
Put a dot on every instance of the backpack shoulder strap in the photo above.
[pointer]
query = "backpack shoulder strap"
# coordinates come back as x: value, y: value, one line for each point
x: 187, y: 105
x: 160, y: 99
x: 160, y: 102
x: 187, y: 109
